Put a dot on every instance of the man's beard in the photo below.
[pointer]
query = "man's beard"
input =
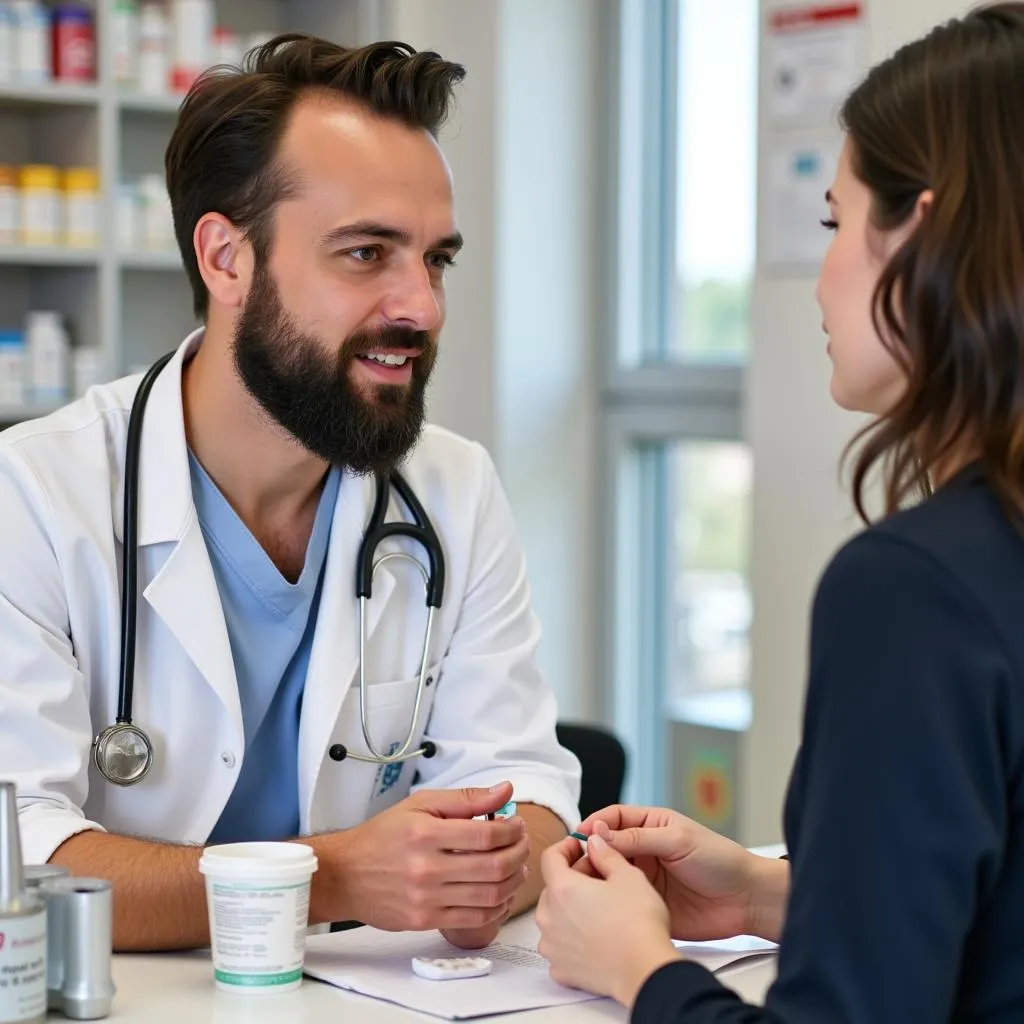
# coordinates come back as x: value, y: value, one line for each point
x: 307, y: 390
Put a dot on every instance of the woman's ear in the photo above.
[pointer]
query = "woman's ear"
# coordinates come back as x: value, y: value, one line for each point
x: 894, y: 239
x: 924, y: 201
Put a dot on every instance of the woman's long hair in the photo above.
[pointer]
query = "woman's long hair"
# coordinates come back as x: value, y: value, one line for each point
x: 946, y: 113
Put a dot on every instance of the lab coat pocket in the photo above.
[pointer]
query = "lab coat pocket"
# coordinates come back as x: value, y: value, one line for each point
x: 390, y: 707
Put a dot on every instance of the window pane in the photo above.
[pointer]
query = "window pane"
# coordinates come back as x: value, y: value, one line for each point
x: 716, y: 179
x: 707, y: 636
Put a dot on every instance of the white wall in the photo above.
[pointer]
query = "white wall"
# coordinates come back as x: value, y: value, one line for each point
x: 800, y: 511
x: 463, y: 396
x: 518, y: 354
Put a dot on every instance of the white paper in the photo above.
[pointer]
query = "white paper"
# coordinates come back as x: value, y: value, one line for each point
x: 379, y: 964
x: 718, y: 954
x: 815, y: 55
x: 798, y: 174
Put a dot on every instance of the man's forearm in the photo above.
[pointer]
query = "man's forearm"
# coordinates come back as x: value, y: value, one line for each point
x: 159, y: 896
x: 544, y: 828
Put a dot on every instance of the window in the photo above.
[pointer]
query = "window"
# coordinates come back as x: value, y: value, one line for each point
x: 707, y: 657
x: 677, y: 472
x: 716, y: 180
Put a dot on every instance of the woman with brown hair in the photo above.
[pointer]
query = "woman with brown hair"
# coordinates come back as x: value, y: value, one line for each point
x: 903, y: 899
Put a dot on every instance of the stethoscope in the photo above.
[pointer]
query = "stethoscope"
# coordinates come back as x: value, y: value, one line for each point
x: 123, y: 752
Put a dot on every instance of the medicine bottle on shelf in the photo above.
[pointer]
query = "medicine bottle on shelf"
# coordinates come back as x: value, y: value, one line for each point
x: 12, y: 368
x: 81, y: 208
x: 7, y: 43
x: 40, y: 204
x: 154, y: 51
x: 49, y: 353
x: 32, y: 56
x: 10, y: 206
x: 124, y: 41
x: 74, y: 43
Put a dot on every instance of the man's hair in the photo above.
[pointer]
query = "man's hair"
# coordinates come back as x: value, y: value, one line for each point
x: 223, y: 154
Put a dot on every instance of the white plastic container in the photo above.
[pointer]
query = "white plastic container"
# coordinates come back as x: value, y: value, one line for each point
x: 12, y: 368
x: 49, y: 351
x: 156, y: 220
x: 154, y: 51
x: 124, y: 41
x: 33, y: 57
x: 257, y: 897
x: 193, y: 24
x: 7, y: 63
x: 86, y: 365
x: 10, y: 206
x: 128, y: 233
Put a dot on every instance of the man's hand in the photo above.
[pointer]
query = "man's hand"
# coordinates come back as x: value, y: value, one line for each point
x: 423, y: 864
x: 544, y: 828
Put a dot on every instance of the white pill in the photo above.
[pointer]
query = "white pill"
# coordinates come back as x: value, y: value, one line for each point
x: 451, y: 968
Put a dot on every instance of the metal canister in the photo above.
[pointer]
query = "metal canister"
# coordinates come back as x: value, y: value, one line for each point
x: 79, y: 922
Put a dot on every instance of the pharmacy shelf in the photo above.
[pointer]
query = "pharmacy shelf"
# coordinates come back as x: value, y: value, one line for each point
x: 18, y: 413
x: 156, y: 260
x: 29, y: 256
x: 130, y: 304
x: 149, y: 104
x: 53, y: 94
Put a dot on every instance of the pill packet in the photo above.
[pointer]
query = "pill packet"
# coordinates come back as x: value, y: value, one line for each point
x: 451, y: 968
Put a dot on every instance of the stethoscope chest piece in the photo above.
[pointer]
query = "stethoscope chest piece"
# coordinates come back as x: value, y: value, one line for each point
x: 123, y: 754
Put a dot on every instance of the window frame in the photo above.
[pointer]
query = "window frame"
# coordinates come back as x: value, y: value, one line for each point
x: 645, y: 400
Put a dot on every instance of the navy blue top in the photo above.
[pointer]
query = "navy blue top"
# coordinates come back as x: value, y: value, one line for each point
x: 904, y: 814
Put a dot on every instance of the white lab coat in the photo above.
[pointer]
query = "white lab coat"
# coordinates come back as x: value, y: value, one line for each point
x: 489, y: 710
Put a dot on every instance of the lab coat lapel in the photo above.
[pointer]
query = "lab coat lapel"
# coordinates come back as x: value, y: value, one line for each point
x: 334, y: 658
x: 183, y: 593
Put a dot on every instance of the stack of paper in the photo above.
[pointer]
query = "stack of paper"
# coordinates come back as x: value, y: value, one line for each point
x: 379, y: 964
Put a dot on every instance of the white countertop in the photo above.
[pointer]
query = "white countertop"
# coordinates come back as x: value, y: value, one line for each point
x: 177, y: 988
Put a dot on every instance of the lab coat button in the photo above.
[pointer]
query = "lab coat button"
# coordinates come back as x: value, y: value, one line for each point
x: 228, y: 758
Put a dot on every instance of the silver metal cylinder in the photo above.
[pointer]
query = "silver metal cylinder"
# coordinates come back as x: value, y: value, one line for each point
x: 22, y: 924
x: 79, y: 924
x: 12, y: 875
x: 36, y: 874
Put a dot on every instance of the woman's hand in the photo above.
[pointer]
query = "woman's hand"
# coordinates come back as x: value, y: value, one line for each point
x: 713, y: 887
x: 604, y: 930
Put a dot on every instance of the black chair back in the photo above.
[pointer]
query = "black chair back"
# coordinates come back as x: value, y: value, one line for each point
x: 603, y: 761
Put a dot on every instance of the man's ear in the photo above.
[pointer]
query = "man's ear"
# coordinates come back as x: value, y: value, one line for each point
x: 223, y: 258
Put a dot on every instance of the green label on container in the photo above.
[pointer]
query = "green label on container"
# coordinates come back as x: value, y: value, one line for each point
x: 257, y: 980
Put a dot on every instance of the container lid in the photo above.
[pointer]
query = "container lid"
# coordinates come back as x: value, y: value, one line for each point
x: 41, y: 317
x: 252, y: 861
x: 39, y: 176
x: 36, y: 874
x: 81, y: 179
x: 72, y: 12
